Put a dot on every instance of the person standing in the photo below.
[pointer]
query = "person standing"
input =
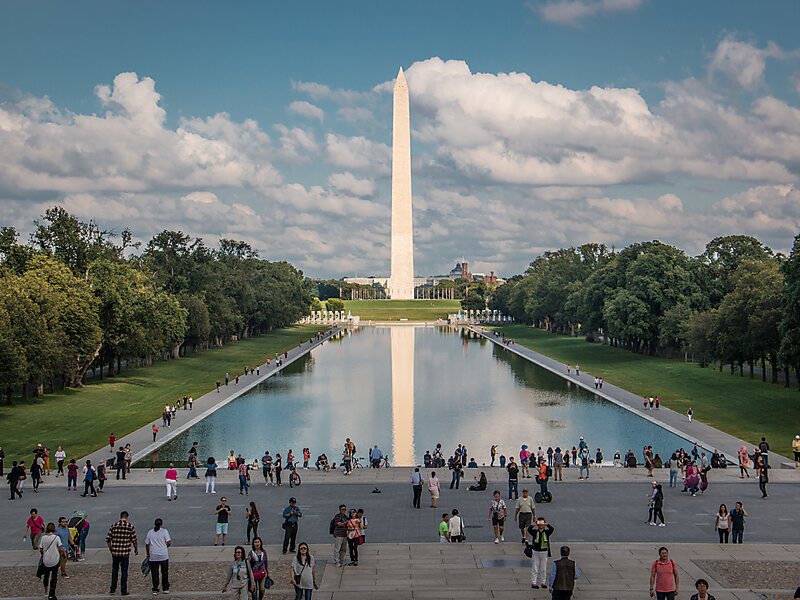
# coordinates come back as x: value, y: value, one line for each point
x: 61, y: 456
x: 513, y: 479
x: 524, y: 512
x: 416, y: 486
x: 72, y: 475
x: 563, y: 574
x: 244, y: 479
x: 3, y: 458
x: 738, y: 515
x: 266, y: 468
x: 304, y: 573
x: 111, y: 440
x: 795, y: 450
x: 192, y: 474
x: 524, y: 458
x: 458, y: 471
x: 89, y: 475
x: 102, y: 476
x: 540, y: 547
x: 673, y: 470
x: 120, y: 538
x: 763, y: 479
x: 375, y: 456
x: 240, y: 577
x: 498, y: 512
x: 722, y: 524
x: 171, y: 481
x: 52, y: 551
x: 353, y: 536
x: 764, y: 449
x: 584, y: 458
x: 259, y: 566
x: 62, y: 531
x: 211, y: 475
x: 689, y: 415
x: 223, y: 513
x: 455, y: 527
x: 558, y: 464
x: 664, y: 577
x: 34, y: 528
x: 338, y: 529
x: 444, y: 529
x: 493, y: 453
x: 156, y: 544
x: 291, y: 515
x: 253, y: 518
x: 435, y: 488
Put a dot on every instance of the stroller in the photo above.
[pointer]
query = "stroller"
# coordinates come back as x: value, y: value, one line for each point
x: 76, y: 523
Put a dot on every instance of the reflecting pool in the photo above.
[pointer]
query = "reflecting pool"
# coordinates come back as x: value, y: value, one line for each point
x: 407, y: 387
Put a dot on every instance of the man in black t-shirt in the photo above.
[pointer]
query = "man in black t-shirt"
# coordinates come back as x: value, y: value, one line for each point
x: 513, y: 479
x: 738, y: 515
x: 121, y: 462
x: 223, y: 512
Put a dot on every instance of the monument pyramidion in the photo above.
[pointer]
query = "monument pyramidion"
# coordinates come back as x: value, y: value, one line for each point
x: 401, y: 279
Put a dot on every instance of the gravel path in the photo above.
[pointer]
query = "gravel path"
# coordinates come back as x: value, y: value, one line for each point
x: 755, y: 575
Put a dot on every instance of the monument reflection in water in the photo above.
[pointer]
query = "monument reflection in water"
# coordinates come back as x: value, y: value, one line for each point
x: 408, y: 387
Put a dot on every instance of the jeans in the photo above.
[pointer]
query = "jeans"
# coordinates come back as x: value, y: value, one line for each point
x: 352, y: 545
x: 84, y: 535
x: 513, y: 488
x: 252, y: 527
x: 456, y: 479
x: 737, y: 535
x: 51, y: 578
x: 154, y: 568
x: 723, y: 536
x: 762, y: 485
x: 584, y: 468
x: 289, y: 537
x: 243, y: 485
x: 543, y: 486
x: 658, y: 514
x: 673, y: 478
x: 417, y: 495
x: 89, y: 486
x: 72, y: 482
x: 192, y: 473
x: 119, y: 563
x: 301, y: 594
x: 121, y: 468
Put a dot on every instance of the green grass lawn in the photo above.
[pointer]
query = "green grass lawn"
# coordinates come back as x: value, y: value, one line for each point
x: 395, y: 310
x: 81, y: 419
x: 743, y: 407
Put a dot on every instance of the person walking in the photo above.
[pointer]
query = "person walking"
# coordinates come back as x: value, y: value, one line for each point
x: 701, y: 585
x: 120, y: 462
x: 89, y: 475
x: 259, y: 566
x: 673, y: 470
x: 722, y: 524
x: 120, y: 538
x: 513, y: 479
x: 51, y: 550
x: 498, y: 512
x: 689, y: 415
x: 764, y: 449
x: 62, y: 531
x: 61, y: 456
x: 523, y: 514
x: 240, y: 577
x: 13, y: 479
x: 102, y: 476
x: 664, y: 577
x: 244, y: 479
x: 738, y: 515
x: 291, y: 514
x: 223, y: 513
x: 435, y: 488
x: 211, y: 475
x: 72, y: 475
x: 540, y: 550
x: 563, y: 574
x: 458, y: 471
x: 353, y: 536
x: 338, y: 529
x: 156, y: 544
x: 253, y: 518
x: 416, y: 486
x: 111, y: 440
x: 658, y: 506
x: 34, y: 528
x: 304, y: 573
x: 444, y: 529
x: 795, y: 450
x: 171, y: 481
x: 455, y: 527
x: 763, y: 480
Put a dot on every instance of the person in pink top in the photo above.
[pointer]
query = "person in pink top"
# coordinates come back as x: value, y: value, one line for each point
x: 34, y: 527
x: 524, y: 458
x: 664, y: 578
x: 171, y: 480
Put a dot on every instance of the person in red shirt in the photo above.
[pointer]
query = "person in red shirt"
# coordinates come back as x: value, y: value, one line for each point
x: 664, y: 578
x: 171, y: 481
x: 34, y: 527
x: 155, y: 431
x: 111, y: 440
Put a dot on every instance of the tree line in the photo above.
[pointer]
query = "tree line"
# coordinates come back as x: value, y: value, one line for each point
x: 736, y: 304
x: 75, y: 297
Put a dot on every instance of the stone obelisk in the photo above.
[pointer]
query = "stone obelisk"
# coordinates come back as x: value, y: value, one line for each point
x: 401, y: 280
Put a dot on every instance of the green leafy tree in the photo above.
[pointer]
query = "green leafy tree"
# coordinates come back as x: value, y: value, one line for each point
x: 334, y: 304
x: 790, y: 323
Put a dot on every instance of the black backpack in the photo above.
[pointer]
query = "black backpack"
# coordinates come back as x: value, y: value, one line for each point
x: 332, y: 526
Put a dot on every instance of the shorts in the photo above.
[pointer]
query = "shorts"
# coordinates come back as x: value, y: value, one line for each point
x: 498, y: 520
x: 525, y: 520
x: 222, y: 529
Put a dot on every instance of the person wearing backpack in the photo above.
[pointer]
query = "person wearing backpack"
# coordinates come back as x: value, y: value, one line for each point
x: 89, y: 475
x: 338, y: 529
x: 664, y: 577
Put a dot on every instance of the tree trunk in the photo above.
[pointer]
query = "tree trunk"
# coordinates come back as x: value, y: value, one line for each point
x: 788, y: 372
x: 76, y: 379
x: 774, y: 365
x: 9, y: 396
x: 763, y: 368
x: 750, y: 363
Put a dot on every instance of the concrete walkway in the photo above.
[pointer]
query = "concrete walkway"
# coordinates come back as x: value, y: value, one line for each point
x: 489, y: 571
x: 141, y: 440
x: 704, y: 435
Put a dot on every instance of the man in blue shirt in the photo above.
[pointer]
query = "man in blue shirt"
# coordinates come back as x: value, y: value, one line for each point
x: 290, y: 516
x: 62, y: 531
x: 376, y: 456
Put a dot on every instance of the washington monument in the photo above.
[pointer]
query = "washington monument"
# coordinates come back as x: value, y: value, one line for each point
x: 401, y: 279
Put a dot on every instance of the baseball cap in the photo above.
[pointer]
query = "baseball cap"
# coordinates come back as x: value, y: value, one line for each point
x: 292, y: 500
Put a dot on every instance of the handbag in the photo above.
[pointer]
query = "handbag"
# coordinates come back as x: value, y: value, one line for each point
x: 268, y: 583
x: 528, y: 551
x: 297, y: 577
x: 40, y: 568
x: 259, y: 573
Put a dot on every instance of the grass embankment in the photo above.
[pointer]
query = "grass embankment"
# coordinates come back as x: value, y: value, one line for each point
x: 743, y: 407
x: 396, y: 310
x: 81, y: 419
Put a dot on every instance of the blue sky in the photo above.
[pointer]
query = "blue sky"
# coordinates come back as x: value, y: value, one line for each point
x: 206, y: 138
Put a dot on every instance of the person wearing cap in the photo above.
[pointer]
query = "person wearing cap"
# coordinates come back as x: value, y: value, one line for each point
x: 796, y: 450
x: 291, y: 514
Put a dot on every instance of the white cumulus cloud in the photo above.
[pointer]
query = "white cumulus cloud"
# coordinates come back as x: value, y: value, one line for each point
x: 573, y: 12
x: 307, y: 110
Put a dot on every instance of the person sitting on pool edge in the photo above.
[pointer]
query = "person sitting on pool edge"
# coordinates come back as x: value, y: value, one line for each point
x: 480, y: 485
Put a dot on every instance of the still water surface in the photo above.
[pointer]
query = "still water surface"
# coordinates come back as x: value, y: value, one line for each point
x: 408, y: 387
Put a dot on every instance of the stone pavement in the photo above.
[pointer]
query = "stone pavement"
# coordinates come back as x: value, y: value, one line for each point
x: 484, y: 571
x: 706, y: 436
x: 141, y: 440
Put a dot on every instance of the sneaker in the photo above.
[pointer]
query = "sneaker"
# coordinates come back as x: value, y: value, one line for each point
x: 534, y: 586
x: 651, y: 523
x: 662, y: 524
x: 496, y: 541
x: 155, y: 593
x: 165, y: 592
x: 502, y: 539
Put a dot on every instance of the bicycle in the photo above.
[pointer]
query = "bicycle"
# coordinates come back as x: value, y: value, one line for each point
x: 294, y: 476
x: 385, y: 461
x: 355, y: 462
